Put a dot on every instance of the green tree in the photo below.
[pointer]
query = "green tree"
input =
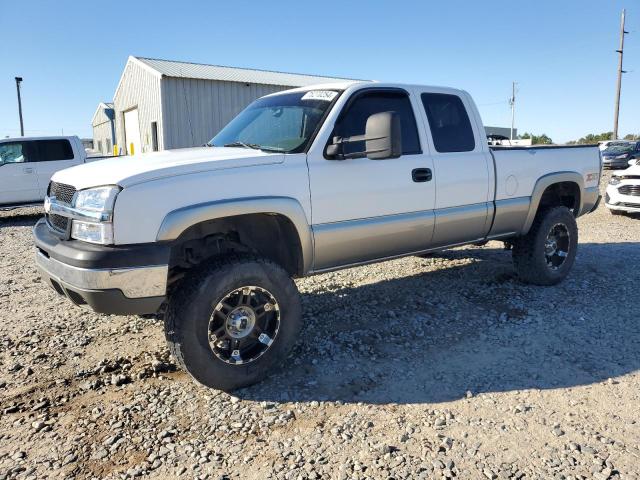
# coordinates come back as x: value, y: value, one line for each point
x: 543, y: 139
x: 631, y: 136
x: 592, y: 138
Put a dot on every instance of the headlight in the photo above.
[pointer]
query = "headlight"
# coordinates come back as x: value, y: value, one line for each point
x: 614, y: 181
x: 620, y: 157
x: 92, y: 232
x: 99, y: 199
x: 98, y: 204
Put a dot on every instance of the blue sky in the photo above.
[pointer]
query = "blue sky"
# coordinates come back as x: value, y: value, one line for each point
x: 71, y: 54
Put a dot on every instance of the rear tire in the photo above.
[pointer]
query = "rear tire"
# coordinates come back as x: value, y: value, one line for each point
x: 219, y: 327
x: 545, y: 255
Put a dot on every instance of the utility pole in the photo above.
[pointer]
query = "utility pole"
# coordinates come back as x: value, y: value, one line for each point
x: 512, y: 102
x: 18, y: 81
x: 623, y: 32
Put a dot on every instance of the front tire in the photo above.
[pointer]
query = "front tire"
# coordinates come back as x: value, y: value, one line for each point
x: 231, y: 322
x: 545, y: 255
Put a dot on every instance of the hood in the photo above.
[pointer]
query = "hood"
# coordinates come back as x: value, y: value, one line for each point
x: 127, y: 171
x: 614, y: 154
x: 633, y: 170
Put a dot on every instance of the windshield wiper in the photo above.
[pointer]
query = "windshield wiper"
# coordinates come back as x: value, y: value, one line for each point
x: 273, y: 149
x: 242, y: 144
x: 255, y: 146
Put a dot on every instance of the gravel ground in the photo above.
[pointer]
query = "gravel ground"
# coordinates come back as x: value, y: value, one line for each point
x: 443, y: 367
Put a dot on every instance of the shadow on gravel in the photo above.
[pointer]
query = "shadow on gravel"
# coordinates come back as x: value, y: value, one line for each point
x: 20, y: 217
x: 434, y: 336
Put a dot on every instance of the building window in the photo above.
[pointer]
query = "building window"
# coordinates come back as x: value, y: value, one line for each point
x: 108, y: 142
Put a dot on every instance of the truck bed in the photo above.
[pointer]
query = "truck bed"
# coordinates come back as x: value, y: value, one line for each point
x: 518, y: 168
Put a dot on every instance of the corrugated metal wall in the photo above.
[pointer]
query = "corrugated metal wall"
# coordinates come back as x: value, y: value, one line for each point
x: 100, y: 117
x: 139, y: 88
x: 102, y: 133
x: 195, y: 110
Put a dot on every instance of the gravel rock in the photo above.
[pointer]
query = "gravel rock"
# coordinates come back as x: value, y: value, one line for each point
x: 417, y: 368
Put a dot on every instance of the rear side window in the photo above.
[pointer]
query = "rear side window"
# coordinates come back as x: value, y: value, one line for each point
x: 51, y: 150
x: 354, y: 120
x: 449, y: 123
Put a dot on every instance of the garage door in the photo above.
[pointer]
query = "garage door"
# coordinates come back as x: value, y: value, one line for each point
x: 132, y: 132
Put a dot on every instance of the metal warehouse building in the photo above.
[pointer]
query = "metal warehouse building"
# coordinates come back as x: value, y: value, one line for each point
x: 104, y: 129
x: 162, y: 104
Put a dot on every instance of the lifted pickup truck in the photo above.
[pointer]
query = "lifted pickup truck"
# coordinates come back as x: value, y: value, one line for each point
x: 301, y: 182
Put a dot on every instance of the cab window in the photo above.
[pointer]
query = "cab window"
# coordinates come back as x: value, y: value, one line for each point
x: 52, y: 150
x: 12, y: 152
x: 449, y: 123
x: 353, y: 121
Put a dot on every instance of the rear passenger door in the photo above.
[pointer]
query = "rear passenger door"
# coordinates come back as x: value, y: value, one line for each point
x: 18, y: 180
x: 52, y: 155
x: 463, y: 207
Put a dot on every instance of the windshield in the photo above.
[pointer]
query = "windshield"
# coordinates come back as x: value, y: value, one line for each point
x: 278, y: 123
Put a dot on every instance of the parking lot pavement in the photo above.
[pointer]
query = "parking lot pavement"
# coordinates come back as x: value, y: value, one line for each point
x: 434, y: 367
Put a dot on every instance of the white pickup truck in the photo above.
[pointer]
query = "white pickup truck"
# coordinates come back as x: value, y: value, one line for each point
x: 27, y: 164
x: 301, y: 182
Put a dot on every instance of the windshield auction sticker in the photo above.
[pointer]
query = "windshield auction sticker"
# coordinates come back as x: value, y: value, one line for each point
x: 326, y: 95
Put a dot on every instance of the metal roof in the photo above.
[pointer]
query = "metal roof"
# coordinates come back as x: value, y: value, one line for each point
x: 201, y: 71
x: 101, y: 106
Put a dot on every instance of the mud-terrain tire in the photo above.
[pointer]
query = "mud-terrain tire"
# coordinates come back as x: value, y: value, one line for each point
x: 545, y: 255
x: 225, y: 292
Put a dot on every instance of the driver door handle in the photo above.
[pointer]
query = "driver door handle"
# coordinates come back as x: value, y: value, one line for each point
x: 421, y: 175
x: 28, y: 169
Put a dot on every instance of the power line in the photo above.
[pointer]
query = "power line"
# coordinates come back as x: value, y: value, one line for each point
x: 502, y: 102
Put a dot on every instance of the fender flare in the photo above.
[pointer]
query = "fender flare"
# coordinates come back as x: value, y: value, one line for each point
x: 179, y: 220
x: 542, y: 184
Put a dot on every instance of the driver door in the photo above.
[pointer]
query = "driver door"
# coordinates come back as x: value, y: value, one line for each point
x: 365, y: 209
x: 18, y: 179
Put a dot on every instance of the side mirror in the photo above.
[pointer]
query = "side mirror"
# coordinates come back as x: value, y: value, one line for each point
x: 383, y: 136
x: 631, y: 163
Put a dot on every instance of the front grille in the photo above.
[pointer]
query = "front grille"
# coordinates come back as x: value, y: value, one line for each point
x: 58, y: 222
x: 633, y: 190
x: 63, y: 192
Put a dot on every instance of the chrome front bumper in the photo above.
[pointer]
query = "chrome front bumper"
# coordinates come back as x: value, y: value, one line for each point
x: 121, y: 280
x: 120, y: 291
x: 136, y: 282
